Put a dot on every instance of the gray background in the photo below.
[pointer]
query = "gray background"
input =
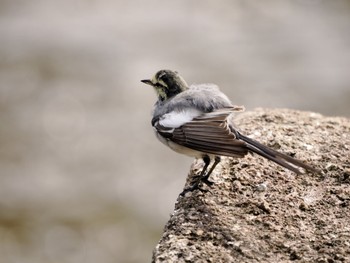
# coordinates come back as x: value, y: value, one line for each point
x: 82, y: 177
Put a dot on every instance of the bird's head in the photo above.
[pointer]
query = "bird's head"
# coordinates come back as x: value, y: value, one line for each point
x: 167, y: 83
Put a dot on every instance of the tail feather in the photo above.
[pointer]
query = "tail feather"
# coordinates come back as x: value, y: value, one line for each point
x: 275, y: 156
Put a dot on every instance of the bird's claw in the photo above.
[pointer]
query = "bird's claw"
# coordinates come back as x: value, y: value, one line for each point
x: 196, y: 185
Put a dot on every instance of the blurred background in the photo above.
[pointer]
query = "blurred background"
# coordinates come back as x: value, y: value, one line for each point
x: 82, y: 177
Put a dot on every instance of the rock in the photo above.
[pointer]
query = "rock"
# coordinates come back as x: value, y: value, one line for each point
x: 299, y: 218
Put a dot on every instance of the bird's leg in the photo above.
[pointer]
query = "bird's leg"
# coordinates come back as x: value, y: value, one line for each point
x: 203, y: 177
x: 198, y: 178
x: 206, y: 160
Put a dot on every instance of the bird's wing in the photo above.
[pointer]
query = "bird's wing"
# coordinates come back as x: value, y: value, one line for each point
x: 209, y: 132
x: 212, y: 133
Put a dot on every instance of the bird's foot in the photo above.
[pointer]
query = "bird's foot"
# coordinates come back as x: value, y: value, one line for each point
x: 198, y: 185
x: 205, y: 179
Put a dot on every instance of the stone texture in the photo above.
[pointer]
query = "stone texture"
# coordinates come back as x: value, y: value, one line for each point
x: 259, y: 212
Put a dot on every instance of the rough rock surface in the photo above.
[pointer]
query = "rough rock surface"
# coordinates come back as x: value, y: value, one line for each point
x: 259, y: 212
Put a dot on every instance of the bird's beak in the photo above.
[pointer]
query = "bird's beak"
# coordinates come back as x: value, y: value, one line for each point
x: 147, y: 81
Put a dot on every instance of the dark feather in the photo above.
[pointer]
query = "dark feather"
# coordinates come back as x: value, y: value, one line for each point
x: 211, y: 133
x: 275, y: 156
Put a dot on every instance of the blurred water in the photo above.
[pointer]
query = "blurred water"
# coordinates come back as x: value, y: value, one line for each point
x: 82, y: 177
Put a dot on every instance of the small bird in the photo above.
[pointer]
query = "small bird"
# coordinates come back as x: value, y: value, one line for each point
x: 197, y: 120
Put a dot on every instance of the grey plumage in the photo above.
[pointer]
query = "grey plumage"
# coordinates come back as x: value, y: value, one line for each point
x: 204, y: 97
x: 198, y: 121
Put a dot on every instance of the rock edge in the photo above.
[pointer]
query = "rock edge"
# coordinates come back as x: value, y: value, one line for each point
x: 259, y: 212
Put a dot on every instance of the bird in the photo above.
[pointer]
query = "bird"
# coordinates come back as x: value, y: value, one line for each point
x: 198, y: 121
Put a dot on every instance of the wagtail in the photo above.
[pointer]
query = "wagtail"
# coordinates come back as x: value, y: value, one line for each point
x: 197, y: 120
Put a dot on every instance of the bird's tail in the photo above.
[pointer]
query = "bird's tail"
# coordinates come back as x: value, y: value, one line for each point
x: 275, y: 156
